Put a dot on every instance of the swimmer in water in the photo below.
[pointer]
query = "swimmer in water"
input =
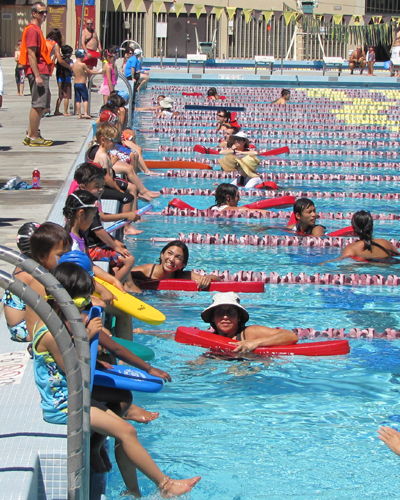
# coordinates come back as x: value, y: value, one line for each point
x: 173, y: 260
x: 285, y: 96
x: 368, y: 248
x: 228, y: 318
x: 306, y: 216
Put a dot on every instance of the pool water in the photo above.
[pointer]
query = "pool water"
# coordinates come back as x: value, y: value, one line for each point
x: 283, y: 427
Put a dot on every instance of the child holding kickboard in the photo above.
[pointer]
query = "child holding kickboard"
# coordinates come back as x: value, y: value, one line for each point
x: 81, y: 73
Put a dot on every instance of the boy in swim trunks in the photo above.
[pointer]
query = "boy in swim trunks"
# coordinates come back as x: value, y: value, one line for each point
x: 81, y: 73
x: 306, y: 215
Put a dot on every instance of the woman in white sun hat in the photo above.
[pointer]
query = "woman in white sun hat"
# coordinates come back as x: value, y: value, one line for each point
x: 228, y: 318
x: 166, y: 111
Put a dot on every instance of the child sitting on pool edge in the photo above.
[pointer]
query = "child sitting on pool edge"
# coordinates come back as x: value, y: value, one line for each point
x: 306, y: 215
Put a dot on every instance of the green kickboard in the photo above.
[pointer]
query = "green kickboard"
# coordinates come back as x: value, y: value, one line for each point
x: 142, y: 351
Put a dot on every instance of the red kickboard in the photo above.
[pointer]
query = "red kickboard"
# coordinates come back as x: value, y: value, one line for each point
x: 283, y: 201
x: 215, y: 286
x: 208, y: 340
x: 274, y: 152
x: 345, y: 231
x: 187, y: 165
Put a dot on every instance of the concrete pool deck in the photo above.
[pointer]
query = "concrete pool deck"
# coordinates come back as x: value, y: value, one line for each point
x: 33, y: 453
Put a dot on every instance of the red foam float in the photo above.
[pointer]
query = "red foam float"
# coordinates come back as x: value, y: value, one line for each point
x: 274, y: 152
x: 177, y: 203
x: 177, y: 164
x: 201, y: 338
x: 284, y: 201
x: 215, y: 286
x: 267, y: 185
x: 345, y: 231
x: 195, y: 94
x: 205, y: 151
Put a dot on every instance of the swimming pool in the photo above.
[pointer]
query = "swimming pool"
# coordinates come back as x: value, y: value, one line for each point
x: 289, y: 427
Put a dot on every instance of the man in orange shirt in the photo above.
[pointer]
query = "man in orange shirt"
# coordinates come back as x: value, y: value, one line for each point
x: 36, y: 61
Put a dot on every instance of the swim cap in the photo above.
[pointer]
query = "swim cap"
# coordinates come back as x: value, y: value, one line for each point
x: 108, y: 116
x: 80, y: 258
x: 124, y: 94
x: 80, y: 53
x: 137, y: 52
x: 24, y: 235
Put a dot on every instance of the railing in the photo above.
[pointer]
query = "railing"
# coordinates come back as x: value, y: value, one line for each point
x: 76, y: 361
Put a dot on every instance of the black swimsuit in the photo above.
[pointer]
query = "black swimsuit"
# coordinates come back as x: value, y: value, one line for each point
x: 390, y: 254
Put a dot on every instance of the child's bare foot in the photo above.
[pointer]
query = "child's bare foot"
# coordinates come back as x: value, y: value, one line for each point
x: 67, y: 114
x: 87, y: 116
x: 140, y: 415
x: 80, y: 117
x: 175, y: 488
x: 128, y: 229
x: 153, y: 194
x: 57, y: 113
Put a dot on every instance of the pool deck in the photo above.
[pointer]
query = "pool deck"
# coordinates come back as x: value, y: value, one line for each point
x: 33, y: 453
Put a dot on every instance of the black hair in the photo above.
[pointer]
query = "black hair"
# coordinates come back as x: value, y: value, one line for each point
x: 88, y: 172
x: 113, y: 50
x: 66, y: 50
x: 76, y: 281
x: 55, y: 35
x: 45, y: 238
x: 235, y: 129
x: 212, y: 92
x: 226, y: 114
x: 301, y: 204
x: 233, y: 138
x: 74, y: 203
x: 109, y: 106
x: 285, y: 92
x: 116, y: 100
x: 24, y: 235
x: 363, y: 225
x: 224, y: 190
x: 179, y: 244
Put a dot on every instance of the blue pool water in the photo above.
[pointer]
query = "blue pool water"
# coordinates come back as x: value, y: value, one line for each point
x: 287, y: 427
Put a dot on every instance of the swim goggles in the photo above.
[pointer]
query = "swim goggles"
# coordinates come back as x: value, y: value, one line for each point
x: 78, y: 301
x: 96, y: 204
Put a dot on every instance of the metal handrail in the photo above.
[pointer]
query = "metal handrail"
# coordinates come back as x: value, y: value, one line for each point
x: 76, y: 362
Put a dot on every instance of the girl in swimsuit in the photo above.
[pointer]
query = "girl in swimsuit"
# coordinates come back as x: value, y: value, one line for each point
x: 228, y: 318
x: 110, y: 73
x: 368, y: 248
x: 173, y: 259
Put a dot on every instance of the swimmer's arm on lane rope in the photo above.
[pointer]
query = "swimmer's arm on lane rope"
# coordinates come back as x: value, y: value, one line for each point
x: 202, y: 281
x: 262, y: 336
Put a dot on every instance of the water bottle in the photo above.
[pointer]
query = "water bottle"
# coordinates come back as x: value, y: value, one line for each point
x: 36, y: 179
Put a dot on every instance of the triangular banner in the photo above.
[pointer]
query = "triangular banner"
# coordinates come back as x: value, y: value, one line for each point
x: 117, y: 3
x: 231, y: 12
x: 337, y: 18
x: 347, y: 19
x: 288, y: 17
x: 188, y: 7
x: 247, y: 14
x: 267, y: 15
x: 178, y: 8
x: 218, y: 12
x: 137, y: 4
x: 168, y: 6
x: 328, y: 18
x: 356, y: 20
x: 198, y: 9
x: 147, y: 4
x: 157, y: 5
x: 257, y: 14
x: 209, y: 9
x: 377, y: 19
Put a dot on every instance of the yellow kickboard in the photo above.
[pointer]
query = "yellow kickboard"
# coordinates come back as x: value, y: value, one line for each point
x: 133, y: 306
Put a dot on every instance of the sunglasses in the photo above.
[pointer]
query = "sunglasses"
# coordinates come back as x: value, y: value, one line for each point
x: 96, y: 204
x: 42, y: 12
x: 78, y: 301
x: 221, y: 116
x: 114, y: 141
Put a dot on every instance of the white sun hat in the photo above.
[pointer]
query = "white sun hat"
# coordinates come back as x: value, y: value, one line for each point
x: 222, y: 299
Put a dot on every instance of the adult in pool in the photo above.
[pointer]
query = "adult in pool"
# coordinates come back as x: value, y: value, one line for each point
x: 368, y: 248
x: 238, y: 144
x: 306, y: 216
x: 285, y: 96
x: 246, y: 167
x: 174, y: 257
x: 228, y: 318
